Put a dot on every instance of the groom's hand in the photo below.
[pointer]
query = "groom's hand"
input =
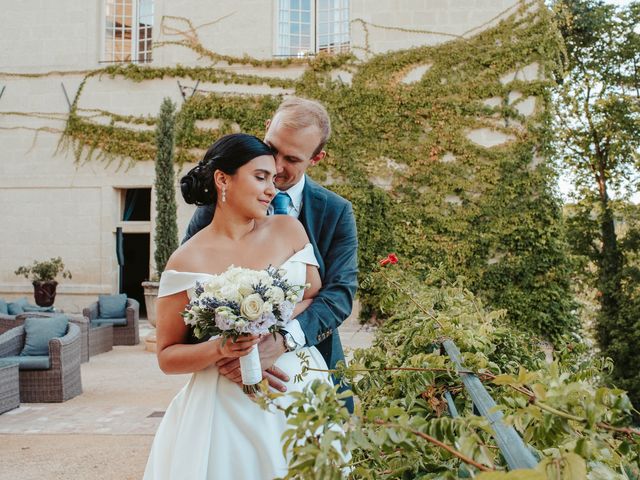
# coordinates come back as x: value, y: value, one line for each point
x: 270, y: 350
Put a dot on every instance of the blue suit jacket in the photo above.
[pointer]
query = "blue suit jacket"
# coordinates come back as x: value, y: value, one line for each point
x: 329, y: 221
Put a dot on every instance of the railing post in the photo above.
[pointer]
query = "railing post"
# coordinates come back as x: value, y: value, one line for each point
x: 513, y: 448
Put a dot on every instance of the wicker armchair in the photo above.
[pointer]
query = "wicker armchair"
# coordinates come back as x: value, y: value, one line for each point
x: 93, y: 341
x: 4, y: 316
x: 7, y: 322
x: 122, y: 334
x: 9, y: 385
x: 61, y: 381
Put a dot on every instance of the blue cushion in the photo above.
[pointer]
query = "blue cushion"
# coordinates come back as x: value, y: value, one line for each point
x: 36, y: 308
x: 108, y: 321
x: 112, y: 306
x: 38, y: 332
x: 7, y: 362
x: 38, y: 362
x: 17, y: 306
x: 4, y: 307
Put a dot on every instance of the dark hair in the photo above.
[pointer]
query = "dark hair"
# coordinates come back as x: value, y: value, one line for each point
x: 228, y: 154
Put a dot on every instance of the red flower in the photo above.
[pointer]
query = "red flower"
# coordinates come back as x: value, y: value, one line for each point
x: 390, y: 259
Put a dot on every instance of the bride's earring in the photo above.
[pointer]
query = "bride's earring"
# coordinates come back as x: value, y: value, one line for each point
x: 224, y: 194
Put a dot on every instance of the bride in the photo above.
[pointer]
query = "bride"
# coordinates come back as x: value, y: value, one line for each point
x: 212, y: 430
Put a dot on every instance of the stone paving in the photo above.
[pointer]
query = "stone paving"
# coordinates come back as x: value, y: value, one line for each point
x: 121, y: 389
x: 107, y: 431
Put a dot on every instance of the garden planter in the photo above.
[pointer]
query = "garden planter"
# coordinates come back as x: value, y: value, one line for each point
x: 150, y: 297
x: 44, y: 292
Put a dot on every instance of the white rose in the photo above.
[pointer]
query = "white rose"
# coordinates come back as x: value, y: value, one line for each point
x: 230, y: 275
x: 267, y: 307
x: 245, y: 286
x: 275, y: 294
x: 251, y: 307
x: 212, y: 287
x: 230, y: 292
x: 265, y: 278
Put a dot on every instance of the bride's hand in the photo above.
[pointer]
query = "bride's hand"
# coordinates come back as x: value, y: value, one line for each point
x: 239, y: 347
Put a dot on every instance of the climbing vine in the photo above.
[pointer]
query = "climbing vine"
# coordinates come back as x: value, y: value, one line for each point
x: 405, y: 153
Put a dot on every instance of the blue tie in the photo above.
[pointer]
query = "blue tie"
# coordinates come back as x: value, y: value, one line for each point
x: 281, y: 203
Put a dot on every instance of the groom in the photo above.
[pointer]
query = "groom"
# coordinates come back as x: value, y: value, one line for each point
x: 297, y: 134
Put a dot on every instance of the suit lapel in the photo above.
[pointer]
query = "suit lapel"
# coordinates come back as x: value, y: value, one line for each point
x: 314, y: 203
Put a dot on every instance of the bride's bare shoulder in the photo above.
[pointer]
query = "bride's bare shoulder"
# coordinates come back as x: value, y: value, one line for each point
x: 185, y: 257
x: 286, y: 226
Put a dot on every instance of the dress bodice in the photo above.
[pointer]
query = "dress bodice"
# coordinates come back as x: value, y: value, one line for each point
x: 172, y: 281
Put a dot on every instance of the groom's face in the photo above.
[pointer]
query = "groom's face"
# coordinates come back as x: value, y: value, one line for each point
x: 293, y: 150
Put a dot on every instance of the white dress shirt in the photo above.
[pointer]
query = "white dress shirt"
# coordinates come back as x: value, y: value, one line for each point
x: 295, y: 193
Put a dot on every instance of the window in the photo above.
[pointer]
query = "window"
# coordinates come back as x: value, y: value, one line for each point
x: 136, y: 204
x: 128, y: 28
x: 306, y: 27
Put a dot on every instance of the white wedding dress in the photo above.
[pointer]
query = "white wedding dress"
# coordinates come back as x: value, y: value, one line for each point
x: 212, y: 430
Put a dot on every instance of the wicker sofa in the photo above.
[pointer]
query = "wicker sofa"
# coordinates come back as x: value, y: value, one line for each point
x: 94, y: 339
x: 127, y: 334
x: 62, y: 380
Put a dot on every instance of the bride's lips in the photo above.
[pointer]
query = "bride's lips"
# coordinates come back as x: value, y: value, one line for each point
x: 265, y: 202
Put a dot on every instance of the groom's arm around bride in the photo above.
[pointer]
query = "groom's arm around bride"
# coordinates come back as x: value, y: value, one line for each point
x: 297, y: 134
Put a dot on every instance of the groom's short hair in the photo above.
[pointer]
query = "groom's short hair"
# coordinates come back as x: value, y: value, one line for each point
x: 298, y: 113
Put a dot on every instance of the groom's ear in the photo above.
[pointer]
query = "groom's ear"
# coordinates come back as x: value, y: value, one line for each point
x: 318, y: 157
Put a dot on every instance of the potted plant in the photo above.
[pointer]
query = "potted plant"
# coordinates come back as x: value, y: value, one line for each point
x: 166, y: 228
x: 43, y: 276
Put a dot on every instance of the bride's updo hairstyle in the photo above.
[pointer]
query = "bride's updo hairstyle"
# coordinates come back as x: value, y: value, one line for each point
x: 228, y: 154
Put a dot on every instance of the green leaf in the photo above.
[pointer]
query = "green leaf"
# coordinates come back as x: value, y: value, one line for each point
x: 575, y: 467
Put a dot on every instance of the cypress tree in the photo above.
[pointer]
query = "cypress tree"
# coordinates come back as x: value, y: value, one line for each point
x: 166, y: 233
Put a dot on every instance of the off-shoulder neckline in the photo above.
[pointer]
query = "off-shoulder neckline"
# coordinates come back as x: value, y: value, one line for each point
x: 306, y: 246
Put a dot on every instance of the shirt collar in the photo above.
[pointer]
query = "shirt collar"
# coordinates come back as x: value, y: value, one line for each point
x: 295, y: 193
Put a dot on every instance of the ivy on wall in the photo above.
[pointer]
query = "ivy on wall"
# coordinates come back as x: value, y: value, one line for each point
x: 401, y: 153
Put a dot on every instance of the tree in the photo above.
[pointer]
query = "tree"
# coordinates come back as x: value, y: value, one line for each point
x: 598, y: 124
x: 166, y: 233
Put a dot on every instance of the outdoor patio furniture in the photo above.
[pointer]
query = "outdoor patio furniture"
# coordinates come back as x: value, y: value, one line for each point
x: 50, y: 378
x: 100, y: 339
x: 9, y: 311
x: 7, y: 322
x: 9, y: 385
x: 125, y: 329
x: 103, y: 338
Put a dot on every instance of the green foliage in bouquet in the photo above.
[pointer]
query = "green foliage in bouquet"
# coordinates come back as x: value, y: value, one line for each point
x: 44, y: 271
x: 577, y: 427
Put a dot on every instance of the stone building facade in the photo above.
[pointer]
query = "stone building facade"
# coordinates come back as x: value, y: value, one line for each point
x: 51, y: 205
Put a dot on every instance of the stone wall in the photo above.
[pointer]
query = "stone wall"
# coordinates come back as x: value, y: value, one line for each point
x: 52, y: 206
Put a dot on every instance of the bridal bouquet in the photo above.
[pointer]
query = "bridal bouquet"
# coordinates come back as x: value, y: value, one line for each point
x: 241, y: 301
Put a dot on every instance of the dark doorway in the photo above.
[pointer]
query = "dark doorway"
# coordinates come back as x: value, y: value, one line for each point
x: 136, y: 265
